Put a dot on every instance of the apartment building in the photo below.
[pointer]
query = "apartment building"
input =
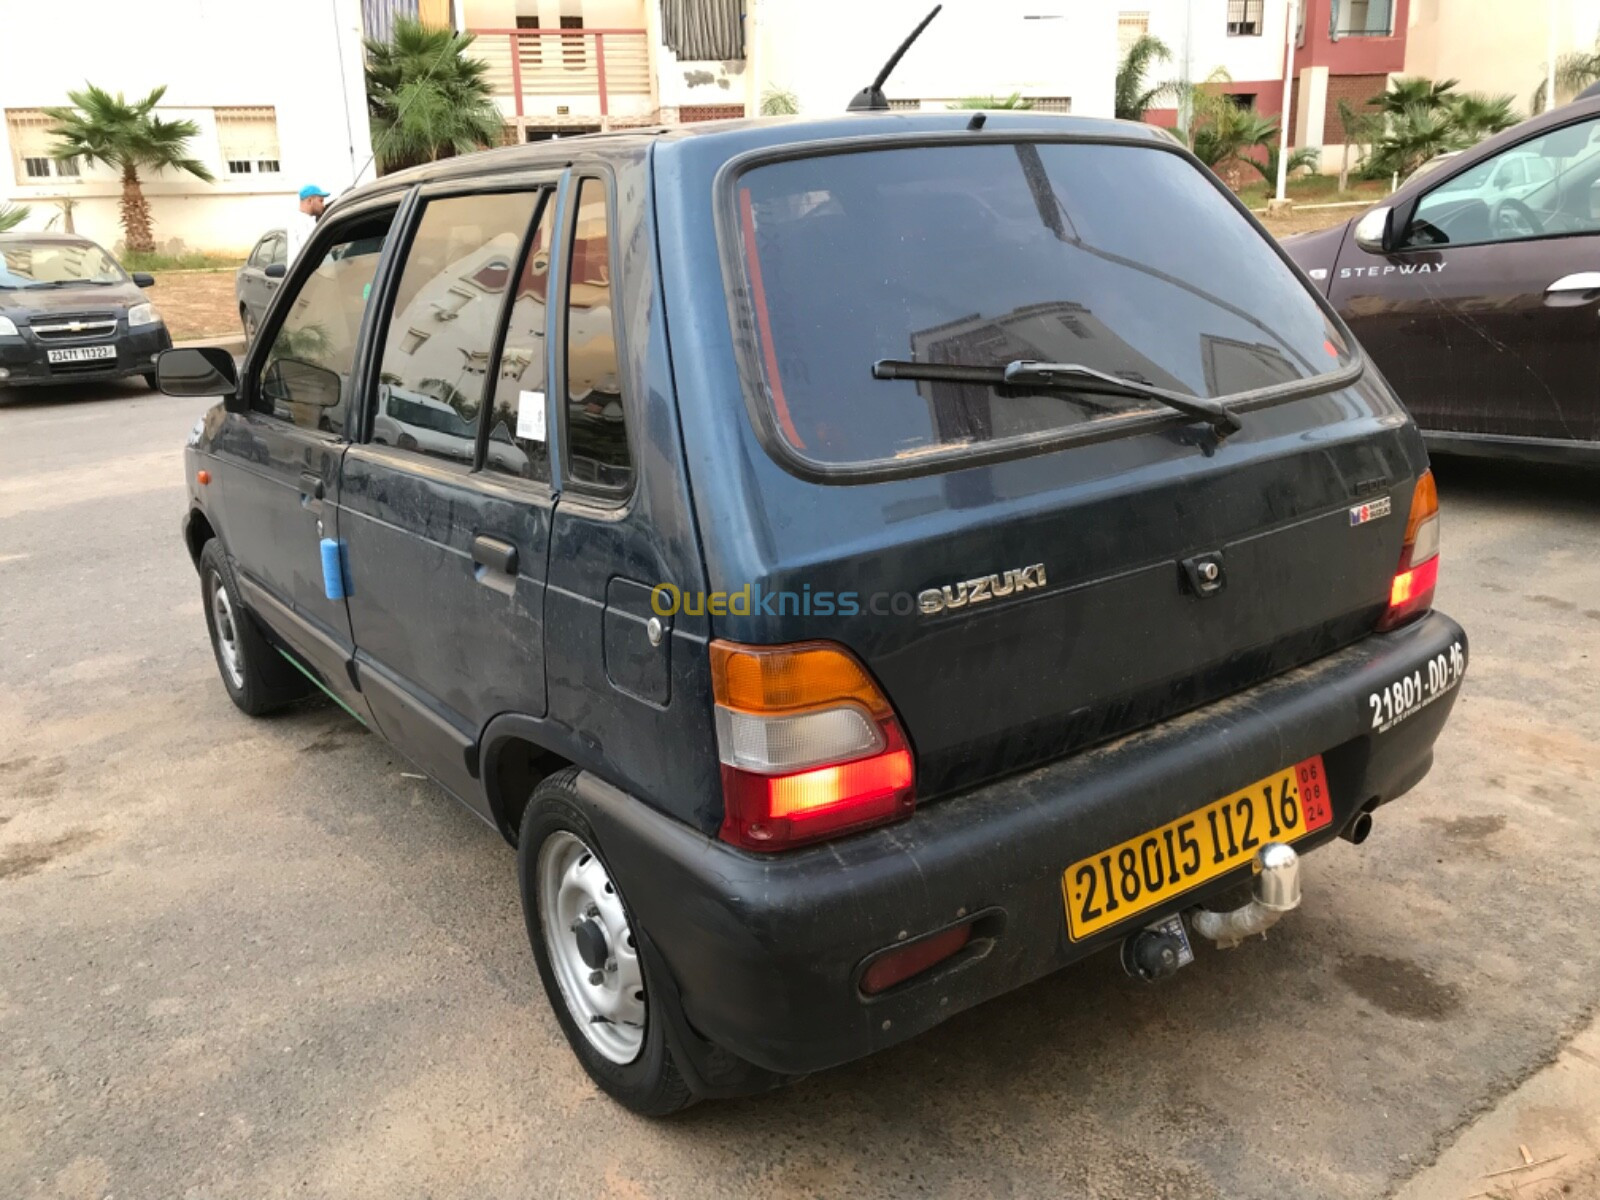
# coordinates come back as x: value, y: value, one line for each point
x: 279, y: 102
x: 1344, y: 49
x: 569, y: 66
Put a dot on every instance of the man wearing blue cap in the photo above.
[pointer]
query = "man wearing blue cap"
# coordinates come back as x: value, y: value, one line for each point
x: 312, y: 200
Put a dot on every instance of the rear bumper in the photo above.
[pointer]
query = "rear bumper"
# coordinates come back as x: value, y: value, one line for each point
x: 25, y: 359
x: 761, y: 954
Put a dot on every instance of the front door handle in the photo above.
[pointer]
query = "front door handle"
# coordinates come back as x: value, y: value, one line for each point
x: 1582, y: 281
x: 494, y: 554
x: 311, y: 490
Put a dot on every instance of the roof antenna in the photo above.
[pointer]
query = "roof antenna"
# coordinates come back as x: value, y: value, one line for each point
x: 871, y: 97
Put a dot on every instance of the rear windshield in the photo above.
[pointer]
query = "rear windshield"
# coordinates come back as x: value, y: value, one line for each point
x: 1123, y: 259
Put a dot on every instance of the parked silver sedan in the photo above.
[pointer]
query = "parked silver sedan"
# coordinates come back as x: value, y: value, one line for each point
x: 259, y: 278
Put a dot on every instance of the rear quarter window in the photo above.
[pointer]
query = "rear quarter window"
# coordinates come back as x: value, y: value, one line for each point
x: 1125, y: 259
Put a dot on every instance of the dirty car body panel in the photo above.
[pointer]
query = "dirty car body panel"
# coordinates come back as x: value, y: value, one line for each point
x: 1481, y: 310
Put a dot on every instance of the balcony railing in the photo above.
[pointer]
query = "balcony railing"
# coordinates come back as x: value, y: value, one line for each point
x: 546, y: 69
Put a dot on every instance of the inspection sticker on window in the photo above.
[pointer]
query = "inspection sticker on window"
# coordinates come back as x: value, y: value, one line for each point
x: 1408, y: 696
x: 530, y: 416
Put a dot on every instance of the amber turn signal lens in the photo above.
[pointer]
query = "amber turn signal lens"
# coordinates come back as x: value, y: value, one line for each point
x: 204, y: 477
x: 769, y: 679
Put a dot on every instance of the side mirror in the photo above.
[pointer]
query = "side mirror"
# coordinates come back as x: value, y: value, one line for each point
x: 198, y: 371
x: 1375, y: 230
x: 143, y: 279
x: 275, y: 271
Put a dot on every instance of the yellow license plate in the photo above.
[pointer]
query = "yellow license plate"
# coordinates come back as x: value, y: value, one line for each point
x: 1151, y: 870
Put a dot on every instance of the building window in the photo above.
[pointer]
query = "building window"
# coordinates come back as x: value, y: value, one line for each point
x: 1131, y: 26
x: 530, y: 49
x: 573, y: 53
x: 1244, y: 101
x: 1361, y: 18
x: 32, y: 144
x: 248, y: 138
x: 1244, y: 18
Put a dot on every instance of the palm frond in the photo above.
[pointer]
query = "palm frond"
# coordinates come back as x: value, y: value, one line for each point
x: 12, y: 215
x: 426, y: 98
x: 1132, y: 98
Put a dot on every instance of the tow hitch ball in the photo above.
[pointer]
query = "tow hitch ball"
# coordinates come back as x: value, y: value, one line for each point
x: 1158, y: 951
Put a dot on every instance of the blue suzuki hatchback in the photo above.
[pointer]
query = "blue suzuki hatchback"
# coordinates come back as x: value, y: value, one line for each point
x: 862, y: 565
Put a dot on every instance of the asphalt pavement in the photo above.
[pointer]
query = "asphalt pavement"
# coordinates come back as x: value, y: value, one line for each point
x: 254, y: 958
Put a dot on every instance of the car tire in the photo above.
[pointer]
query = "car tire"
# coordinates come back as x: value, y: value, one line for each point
x: 563, y: 874
x: 259, y: 679
x: 248, y: 323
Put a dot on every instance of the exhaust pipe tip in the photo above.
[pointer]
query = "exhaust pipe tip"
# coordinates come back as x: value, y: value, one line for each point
x: 1359, y: 828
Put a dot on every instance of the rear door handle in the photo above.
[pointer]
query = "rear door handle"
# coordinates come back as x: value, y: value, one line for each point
x: 494, y: 554
x: 1582, y: 281
x: 311, y: 490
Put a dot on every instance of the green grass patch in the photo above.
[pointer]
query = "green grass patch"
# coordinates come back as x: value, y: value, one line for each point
x: 1314, y: 189
x: 193, y: 260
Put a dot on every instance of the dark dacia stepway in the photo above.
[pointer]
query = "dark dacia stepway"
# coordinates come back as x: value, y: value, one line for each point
x: 862, y: 565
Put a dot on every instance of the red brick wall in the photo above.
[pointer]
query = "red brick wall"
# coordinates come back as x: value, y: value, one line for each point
x: 1354, y: 90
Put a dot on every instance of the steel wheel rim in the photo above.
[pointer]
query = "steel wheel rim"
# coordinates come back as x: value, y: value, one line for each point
x: 574, y: 891
x: 228, y: 649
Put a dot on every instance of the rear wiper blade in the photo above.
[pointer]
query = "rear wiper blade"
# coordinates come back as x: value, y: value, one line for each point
x: 1029, y: 373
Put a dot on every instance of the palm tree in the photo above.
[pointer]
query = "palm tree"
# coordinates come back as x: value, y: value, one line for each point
x: 1305, y: 158
x: 1574, y: 72
x: 1014, y: 100
x: 1414, y: 136
x: 779, y: 102
x: 1404, y: 94
x: 1478, y: 115
x: 1360, y: 128
x: 1133, y: 98
x: 12, y: 215
x: 427, y: 100
x: 129, y: 138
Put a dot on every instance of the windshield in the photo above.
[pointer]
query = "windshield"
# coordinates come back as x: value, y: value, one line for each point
x: 48, y: 264
x: 1123, y: 259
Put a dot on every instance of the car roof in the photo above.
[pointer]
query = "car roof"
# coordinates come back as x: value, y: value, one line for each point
x: 747, y: 132
x: 46, y: 237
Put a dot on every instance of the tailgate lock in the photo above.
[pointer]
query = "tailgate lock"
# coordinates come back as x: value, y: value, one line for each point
x: 1204, y: 573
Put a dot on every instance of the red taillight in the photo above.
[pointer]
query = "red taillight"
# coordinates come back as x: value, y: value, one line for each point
x: 897, y: 966
x: 810, y: 746
x: 1411, y: 592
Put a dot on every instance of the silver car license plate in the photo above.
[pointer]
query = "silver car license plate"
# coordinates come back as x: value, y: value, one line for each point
x: 71, y: 354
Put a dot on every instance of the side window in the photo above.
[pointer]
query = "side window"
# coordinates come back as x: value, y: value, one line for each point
x: 517, y: 438
x: 262, y: 254
x: 1543, y: 187
x: 306, y: 376
x: 597, y: 437
x: 278, y: 255
x: 431, y: 385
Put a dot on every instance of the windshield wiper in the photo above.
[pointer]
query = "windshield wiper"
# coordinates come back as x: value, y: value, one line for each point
x: 1029, y: 373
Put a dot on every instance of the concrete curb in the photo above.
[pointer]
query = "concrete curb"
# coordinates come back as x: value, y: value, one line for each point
x: 1542, y: 1140
x: 225, y: 341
